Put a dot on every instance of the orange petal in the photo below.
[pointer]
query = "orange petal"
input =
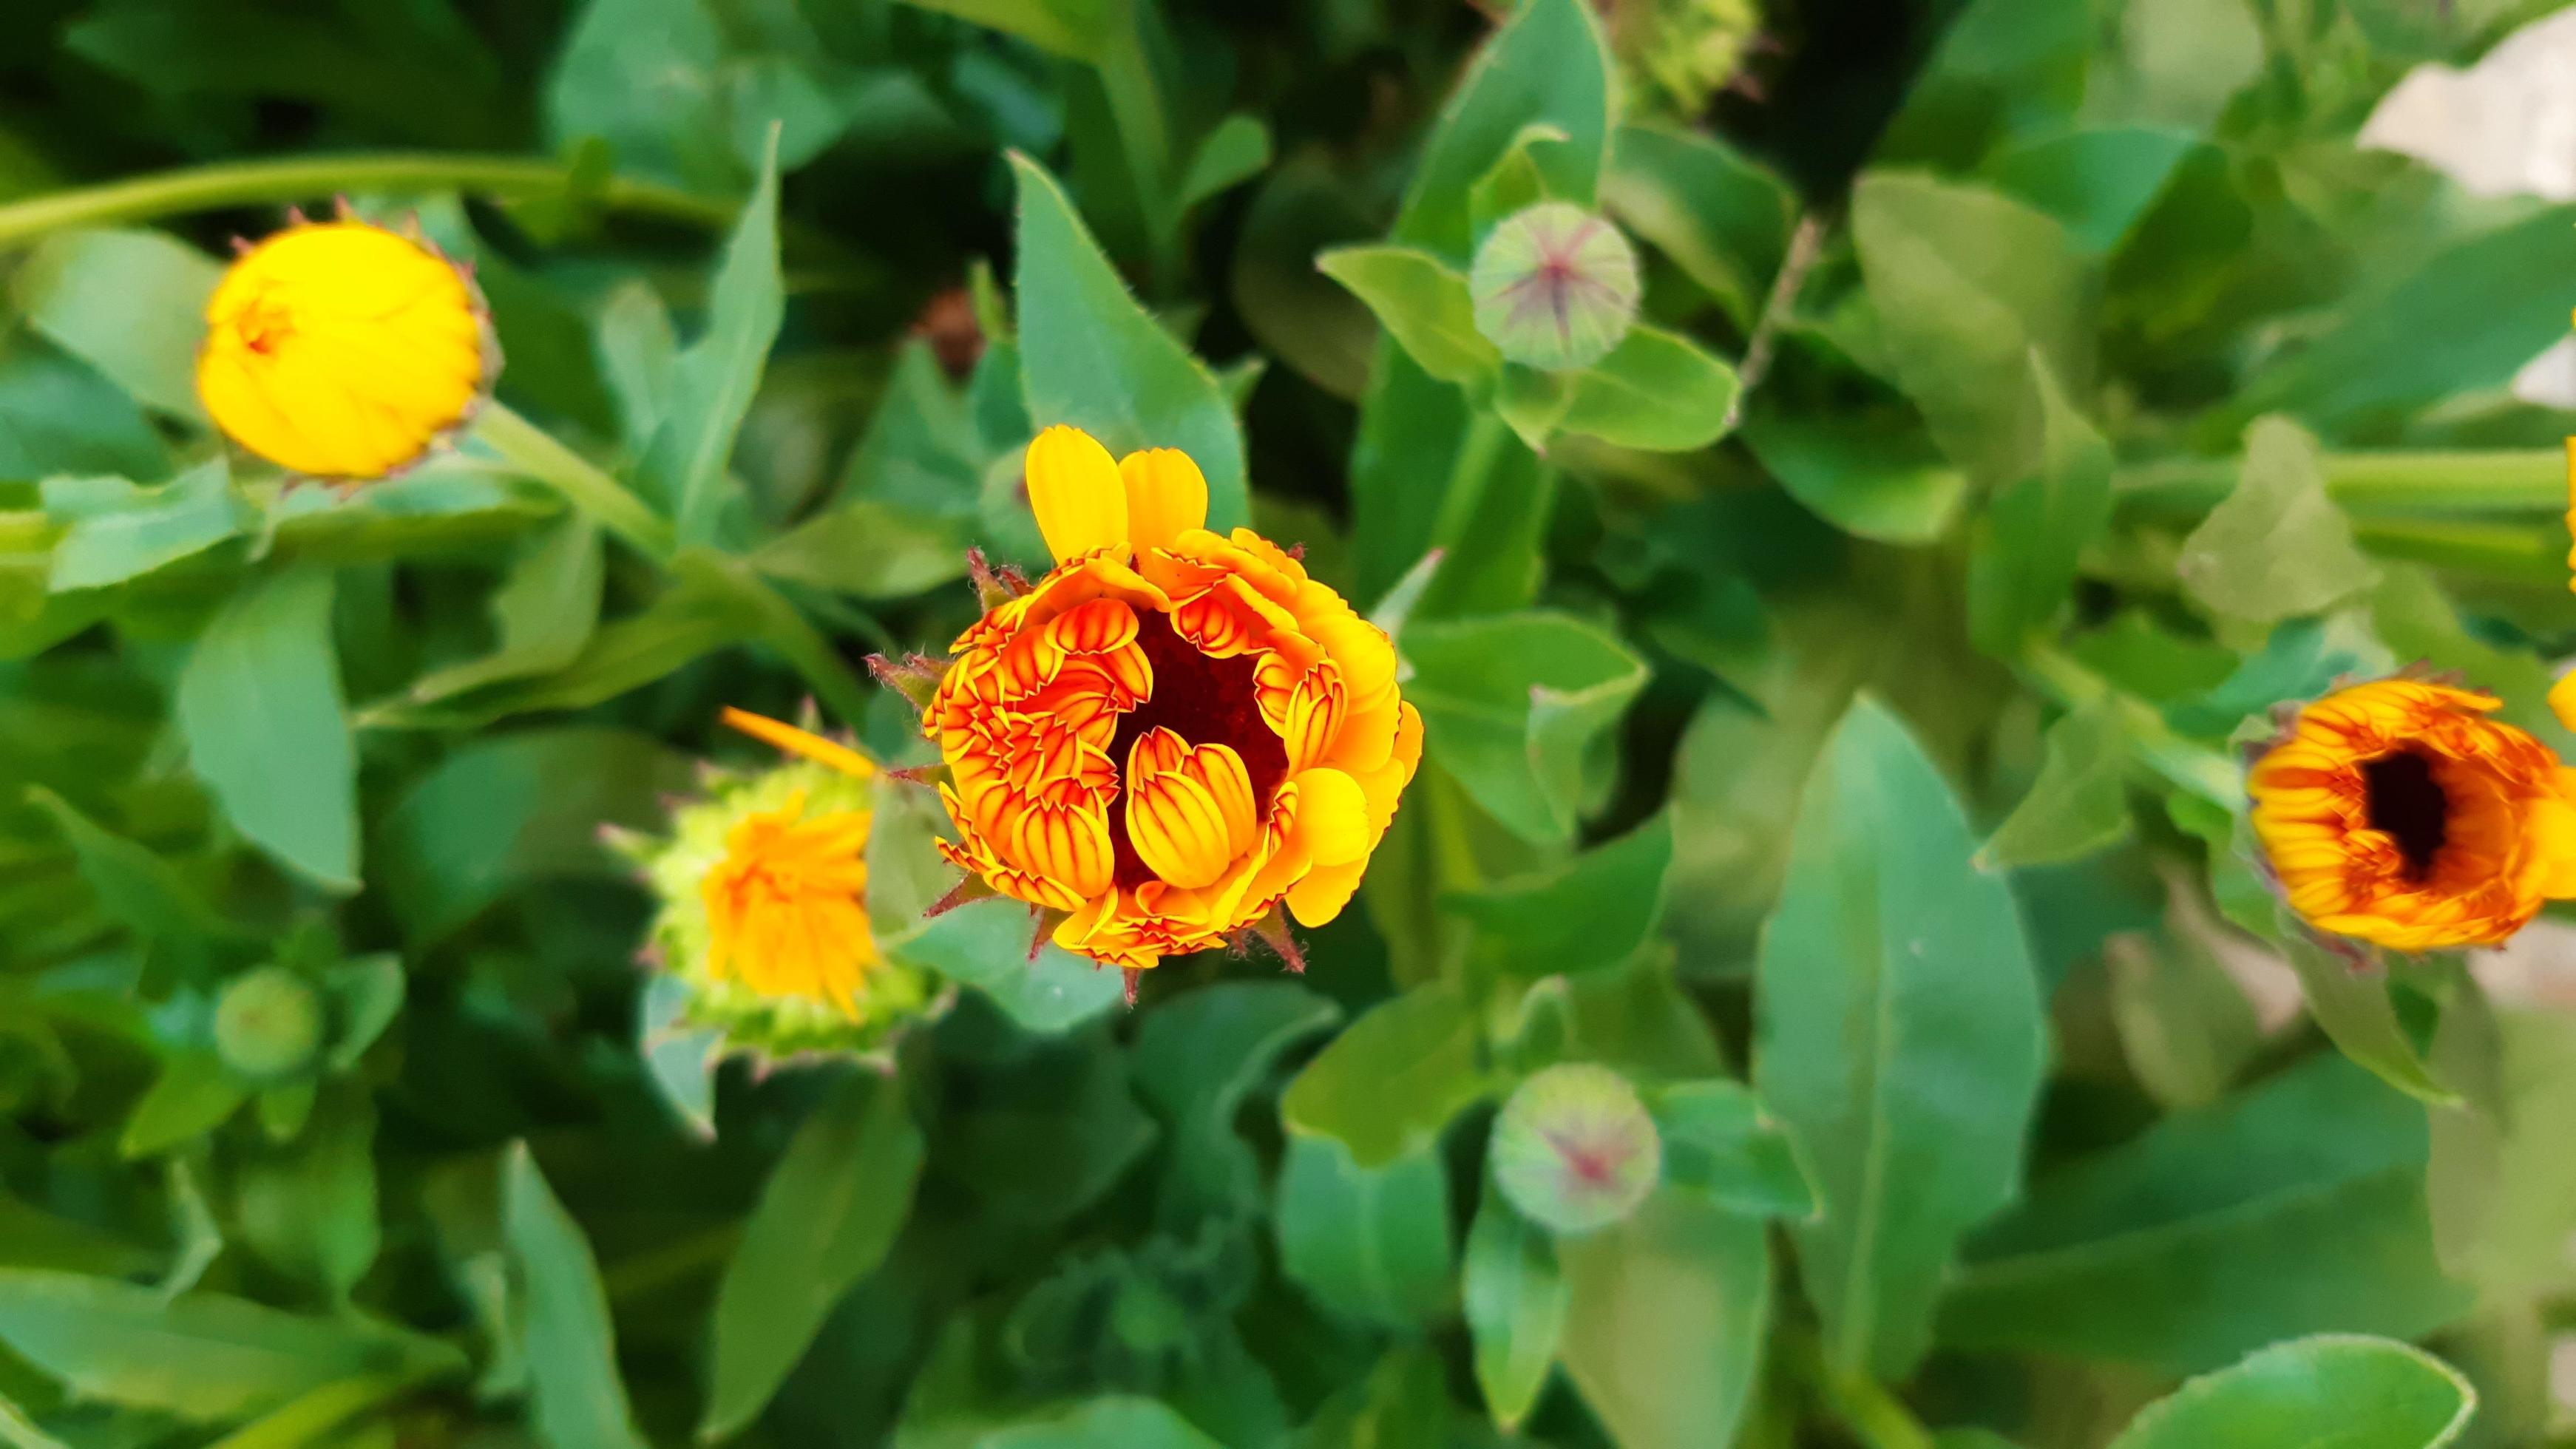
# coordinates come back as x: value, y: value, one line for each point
x: 1075, y: 491
x: 1189, y: 811
x: 1325, y: 890
x: 1333, y: 818
x: 2562, y: 700
x: 1166, y: 493
x: 798, y: 742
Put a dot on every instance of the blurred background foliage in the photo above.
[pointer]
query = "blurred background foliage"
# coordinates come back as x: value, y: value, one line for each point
x: 2088, y: 388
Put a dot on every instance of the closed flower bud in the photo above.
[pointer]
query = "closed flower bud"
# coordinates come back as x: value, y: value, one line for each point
x: 343, y: 351
x: 268, y: 1024
x: 1575, y: 1150
x: 1555, y: 287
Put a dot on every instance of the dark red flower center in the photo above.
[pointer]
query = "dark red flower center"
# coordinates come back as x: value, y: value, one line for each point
x: 1206, y: 702
x: 2403, y: 799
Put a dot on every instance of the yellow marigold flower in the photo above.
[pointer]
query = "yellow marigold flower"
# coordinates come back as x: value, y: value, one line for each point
x: 764, y: 903
x: 2396, y: 812
x: 1173, y: 733
x: 342, y: 350
x: 2562, y: 695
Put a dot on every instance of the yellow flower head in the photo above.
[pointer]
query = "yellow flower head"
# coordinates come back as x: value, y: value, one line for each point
x: 764, y: 903
x: 342, y: 350
x: 1173, y: 733
x: 2396, y: 812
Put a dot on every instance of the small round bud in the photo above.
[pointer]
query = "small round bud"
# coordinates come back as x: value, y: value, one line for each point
x: 1555, y: 287
x: 268, y: 1024
x: 1574, y: 1149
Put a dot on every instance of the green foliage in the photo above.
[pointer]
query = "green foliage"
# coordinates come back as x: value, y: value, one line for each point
x: 1818, y: 989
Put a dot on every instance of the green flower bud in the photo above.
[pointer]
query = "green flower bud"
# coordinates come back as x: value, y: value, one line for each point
x: 1677, y: 54
x: 1575, y: 1150
x: 269, y: 1024
x: 1555, y: 287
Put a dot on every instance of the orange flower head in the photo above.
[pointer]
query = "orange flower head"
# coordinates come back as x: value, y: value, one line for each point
x: 764, y: 903
x: 2398, y: 813
x: 1174, y: 733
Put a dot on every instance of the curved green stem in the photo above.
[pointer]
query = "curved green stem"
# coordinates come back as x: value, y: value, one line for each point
x: 2180, y: 762
x: 584, y: 484
x: 2512, y: 480
x: 312, y: 178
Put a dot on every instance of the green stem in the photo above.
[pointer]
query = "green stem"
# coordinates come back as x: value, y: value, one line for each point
x: 1470, y: 478
x: 308, y: 178
x: 2517, y: 480
x: 584, y: 484
x: 2515, y: 552
x: 2182, y: 763
x: 787, y: 630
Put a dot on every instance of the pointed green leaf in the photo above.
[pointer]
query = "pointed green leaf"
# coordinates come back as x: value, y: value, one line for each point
x: 1719, y: 1142
x: 1386, y: 1087
x: 2023, y: 555
x: 2079, y: 805
x: 1665, y: 1325
x: 1515, y: 1299
x: 713, y: 381
x: 115, y: 531
x: 130, y: 303
x: 1658, y: 391
x: 259, y: 704
x: 580, y: 1402
x: 2348, y: 1391
x: 1423, y: 303
x: 1368, y: 1243
x: 2277, y: 545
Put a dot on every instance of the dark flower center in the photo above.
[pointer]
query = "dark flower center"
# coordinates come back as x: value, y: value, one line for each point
x: 1206, y: 702
x: 2406, y: 802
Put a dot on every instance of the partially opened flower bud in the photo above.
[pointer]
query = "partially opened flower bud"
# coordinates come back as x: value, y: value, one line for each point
x: 268, y: 1024
x: 764, y: 916
x: 1555, y: 287
x: 1575, y: 1150
x: 343, y: 351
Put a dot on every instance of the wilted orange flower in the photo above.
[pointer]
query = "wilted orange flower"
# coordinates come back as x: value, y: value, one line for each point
x: 1173, y: 733
x: 343, y: 350
x: 2396, y: 812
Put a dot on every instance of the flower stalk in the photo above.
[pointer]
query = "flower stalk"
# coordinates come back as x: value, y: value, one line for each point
x: 2513, y: 480
x: 583, y: 484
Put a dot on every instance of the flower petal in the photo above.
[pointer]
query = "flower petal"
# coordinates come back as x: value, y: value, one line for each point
x: 1166, y: 493
x: 1189, y: 811
x: 1333, y: 818
x: 1317, y: 899
x: 799, y: 742
x: 1076, y: 493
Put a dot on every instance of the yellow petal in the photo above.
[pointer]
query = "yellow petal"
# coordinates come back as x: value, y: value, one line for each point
x: 1075, y: 491
x: 1189, y: 811
x: 1166, y: 493
x: 1333, y: 818
x: 2571, y: 510
x: 1317, y: 899
x: 798, y: 742
x: 2562, y: 700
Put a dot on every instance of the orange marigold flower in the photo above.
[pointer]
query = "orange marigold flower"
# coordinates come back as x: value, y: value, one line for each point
x: 1174, y: 733
x: 2396, y: 812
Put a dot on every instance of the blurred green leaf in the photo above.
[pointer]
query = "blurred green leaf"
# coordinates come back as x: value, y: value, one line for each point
x: 139, y: 889
x: 1872, y: 482
x: 1423, y: 304
x: 130, y: 303
x: 1070, y: 28
x: 2295, y: 1207
x: 1720, y: 1143
x: 1666, y: 1320
x: 115, y: 531
x: 2367, y: 1393
x: 31, y: 1237
x: 1967, y: 285
x: 1897, y: 1033
x: 193, y: 1096
x: 1721, y: 218
x: 203, y: 1357
x: 1196, y: 1059
x: 2003, y: 69
x: 1593, y: 911
x: 1386, y: 1087
x: 1515, y: 1299
x: 1234, y: 151
x: 542, y: 615
x: 58, y: 416
x: 830, y: 1211
x: 2025, y: 552
x: 1092, y: 357
x: 310, y: 1207
x: 579, y: 1401
x: 2097, y: 183
x: 1511, y: 704
x: 2277, y: 545
x: 1370, y: 1244
x: 2184, y: 1024
x: 713, y: 378
x: 868, y: 550
x: 2347, y: 990
x: 1107, y: 1423
x: 259, y: 703
x: 2079, y: 805
x: 1657, y: 391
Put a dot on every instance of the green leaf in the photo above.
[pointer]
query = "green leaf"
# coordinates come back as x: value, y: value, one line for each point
x: 868, y: 550
x: 2349, y: 1391
x: 1424, y: 305
x: 1657, y: 390
x: 2348, y: 999
x: 1092, y: 357
x: 138, y: 888
x: 543, y: 613
x: 1073, y: 29
x: 1593, y: 911
x: 2004, y: 68
x: 512, y: 810
x: 1103, y: 1423
x: 2184, y: 1024
x: 1720, y: 218
x: 1875, y: 482
x: 130, y: 303
x: 1512, y: 704
x: 31, y: 1237
x: 114, y: 531
x: 714, y: 379
x: 2296, y: 1207
x: 1665, y: 1327
x: 1386, y: 1086
x: 1367, y: 1243
x: 2079, y: 805
x: 193, y: 1096
x: 2097, y: 183
x: 203, y: 1356
x: 2023, y: 557
x: 1232, y: 153
x: 1196, y: 1058
x: 309, y: 1208
x: 1720, y: 1143
x: 1898, y: 1033
x: 2277, y: 545
x: 1518, y: 179
x: 1548, y: 65
x: 829, y: 1213
x: 1966, y: 285
x: 58, y: 416
x: 1515, y: 1299
x: 579, y: 1401
x: 259, y: 704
